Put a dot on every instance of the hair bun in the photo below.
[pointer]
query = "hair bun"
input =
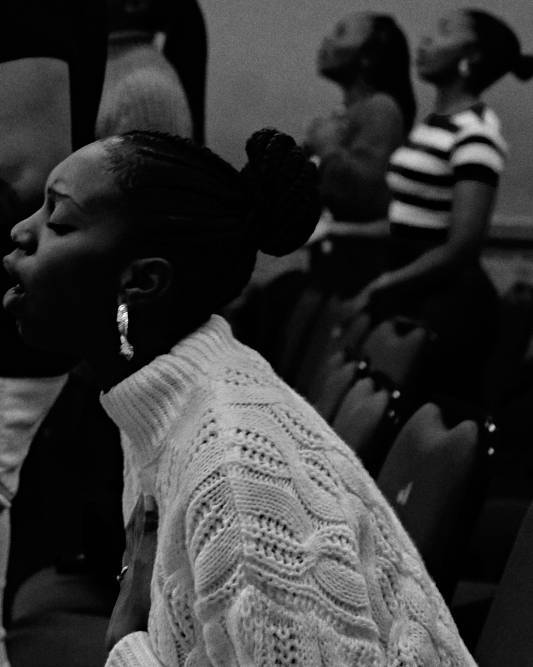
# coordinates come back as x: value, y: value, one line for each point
x: 523, y: 68
x: 283, y: 186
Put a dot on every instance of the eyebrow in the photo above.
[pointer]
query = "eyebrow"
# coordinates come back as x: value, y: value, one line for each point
x: 51, y: 190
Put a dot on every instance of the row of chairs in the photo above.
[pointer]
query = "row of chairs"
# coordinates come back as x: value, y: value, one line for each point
x: 431, y: 459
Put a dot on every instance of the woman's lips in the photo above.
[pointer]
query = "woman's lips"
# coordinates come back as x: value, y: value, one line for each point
x: 14, y: 297
x: 421, y: 58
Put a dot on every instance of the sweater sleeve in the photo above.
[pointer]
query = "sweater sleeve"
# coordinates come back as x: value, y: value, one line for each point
x: 133, y: 650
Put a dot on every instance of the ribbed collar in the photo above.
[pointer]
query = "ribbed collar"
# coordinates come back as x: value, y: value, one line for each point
x: 149, y: 401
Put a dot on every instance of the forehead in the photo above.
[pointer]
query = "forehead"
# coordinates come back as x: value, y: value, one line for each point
x: 85, y: 177
x: 357, y: 24
x: 457, y: 23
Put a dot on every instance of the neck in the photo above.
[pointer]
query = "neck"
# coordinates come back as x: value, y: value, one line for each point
x: 453, y: 97
x: 356, y: 92
x: 121, y: 40
x: 110, y: 367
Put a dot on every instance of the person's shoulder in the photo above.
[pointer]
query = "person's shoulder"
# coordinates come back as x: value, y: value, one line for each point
x: 381, y: 113
x: 478, y: 119
x: 480, y: 123
x: 383, y: 105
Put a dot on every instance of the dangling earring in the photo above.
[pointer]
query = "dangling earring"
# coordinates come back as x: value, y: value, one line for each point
x: 126, y: 348
x: 464, y: 68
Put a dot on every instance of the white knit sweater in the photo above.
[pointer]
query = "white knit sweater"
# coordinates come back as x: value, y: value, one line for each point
x: 274, y: 545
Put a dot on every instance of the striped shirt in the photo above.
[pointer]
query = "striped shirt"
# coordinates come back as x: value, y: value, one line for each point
x: 439, y: 152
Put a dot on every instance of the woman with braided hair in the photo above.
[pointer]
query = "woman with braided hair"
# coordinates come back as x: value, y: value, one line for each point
x: 444, y: 181
x: 254, y: 535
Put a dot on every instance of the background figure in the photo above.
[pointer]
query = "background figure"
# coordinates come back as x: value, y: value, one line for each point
x: 52, y: 57
x: 155, y: 74
x: 186, y: 48
x: 444, y: 182
x: 367, y: 55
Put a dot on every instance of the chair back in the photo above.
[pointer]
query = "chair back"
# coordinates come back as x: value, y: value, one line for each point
x: 344, y: 340
x: 427, y: 478
x: 397, y: 349
x: 298, y: 327
x: 338, y: 379
x: 506, y: 637
x: 360, y: 415
x: 319, y: 344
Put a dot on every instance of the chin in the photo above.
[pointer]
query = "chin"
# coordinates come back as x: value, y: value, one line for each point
x: 428, y: 76
x: 323, y: 70
x: 333, y: 74
x: 45, y: 341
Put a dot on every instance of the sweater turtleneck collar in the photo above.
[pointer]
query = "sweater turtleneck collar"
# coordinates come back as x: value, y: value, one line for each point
x: 148, y: 402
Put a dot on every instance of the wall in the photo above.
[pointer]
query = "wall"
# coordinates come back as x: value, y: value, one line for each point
x: 262, y: 72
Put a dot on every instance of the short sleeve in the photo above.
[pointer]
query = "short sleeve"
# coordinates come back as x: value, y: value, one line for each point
x: 478, y: 154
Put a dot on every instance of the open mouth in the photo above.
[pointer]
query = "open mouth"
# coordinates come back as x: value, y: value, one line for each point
x: 14, y: 297
x: 16, y: 293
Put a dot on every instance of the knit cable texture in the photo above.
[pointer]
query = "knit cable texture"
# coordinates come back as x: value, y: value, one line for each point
x: 275, y: 547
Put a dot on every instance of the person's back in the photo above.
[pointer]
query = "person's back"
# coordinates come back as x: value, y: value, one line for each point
x: 141, y: 91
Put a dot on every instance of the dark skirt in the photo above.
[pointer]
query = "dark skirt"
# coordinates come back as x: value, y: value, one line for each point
x: 460, y: 309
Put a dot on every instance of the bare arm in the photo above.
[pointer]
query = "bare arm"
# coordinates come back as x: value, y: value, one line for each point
x: 35, y: 131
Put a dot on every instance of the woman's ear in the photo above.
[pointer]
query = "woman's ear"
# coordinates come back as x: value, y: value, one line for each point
x: 146, y: 280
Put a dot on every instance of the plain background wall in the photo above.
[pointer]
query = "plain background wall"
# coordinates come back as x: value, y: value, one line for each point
x: 262, y: 73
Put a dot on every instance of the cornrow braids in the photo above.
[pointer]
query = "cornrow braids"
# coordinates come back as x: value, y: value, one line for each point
x: 205, y: 217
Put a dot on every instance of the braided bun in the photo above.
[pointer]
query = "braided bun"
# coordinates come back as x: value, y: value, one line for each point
x: 523, y: 68
x: 282, y: 184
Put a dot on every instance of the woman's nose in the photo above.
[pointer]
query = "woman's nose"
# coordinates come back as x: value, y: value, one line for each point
x: 24, y: 237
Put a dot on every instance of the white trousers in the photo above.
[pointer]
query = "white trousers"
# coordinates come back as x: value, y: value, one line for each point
x: 24, y: 403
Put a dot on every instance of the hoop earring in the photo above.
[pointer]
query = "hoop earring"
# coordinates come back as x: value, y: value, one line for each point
x: 126, y: 348
x: 464, y: 68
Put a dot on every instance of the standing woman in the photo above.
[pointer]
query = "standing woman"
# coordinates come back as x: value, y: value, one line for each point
x: 255, y: 536
x: 444, y: 182
x: 367, y: 56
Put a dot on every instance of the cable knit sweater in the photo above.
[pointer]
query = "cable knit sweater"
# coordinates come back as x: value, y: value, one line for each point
x: 141, y: 92
x: 275, y: 547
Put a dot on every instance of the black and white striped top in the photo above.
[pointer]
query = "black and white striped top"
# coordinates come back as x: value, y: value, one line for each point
x: 439, y: 152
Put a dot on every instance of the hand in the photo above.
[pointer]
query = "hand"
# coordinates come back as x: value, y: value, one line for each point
x: 366, y: 297
x: 325, y: 134
x: 133, y: 603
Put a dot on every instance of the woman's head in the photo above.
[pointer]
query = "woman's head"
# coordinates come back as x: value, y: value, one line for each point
x: 372, y: 49
x: 157, y: 222
x: 474, y: 47
x: 145, y: 15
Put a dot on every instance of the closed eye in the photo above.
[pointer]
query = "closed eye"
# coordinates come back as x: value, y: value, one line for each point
x: 59, y: 229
